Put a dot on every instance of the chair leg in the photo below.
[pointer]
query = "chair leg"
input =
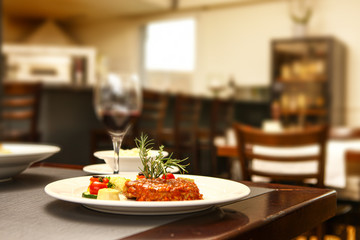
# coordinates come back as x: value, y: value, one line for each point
x: 214, y: 165
x: 195, y: 154
x: 319, y: 232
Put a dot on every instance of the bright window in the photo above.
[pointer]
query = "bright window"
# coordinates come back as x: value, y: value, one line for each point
x: 170, y: 45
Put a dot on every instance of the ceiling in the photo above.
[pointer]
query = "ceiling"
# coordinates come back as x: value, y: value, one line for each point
x: 64, y: 10
x: 71, y: 10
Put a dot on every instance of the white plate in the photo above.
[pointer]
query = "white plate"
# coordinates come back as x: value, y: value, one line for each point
x: 103, y: 168
x: 127, y: 163
x: 216, y: 192
x: 21, y: 156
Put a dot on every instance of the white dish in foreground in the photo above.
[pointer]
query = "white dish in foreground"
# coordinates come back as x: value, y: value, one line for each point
x: 21, y: 156
x: 103, y: 168
x: 127, y: 163
x: 216, y: 192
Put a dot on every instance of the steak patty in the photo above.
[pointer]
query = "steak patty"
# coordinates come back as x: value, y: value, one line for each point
x: 178, y: 189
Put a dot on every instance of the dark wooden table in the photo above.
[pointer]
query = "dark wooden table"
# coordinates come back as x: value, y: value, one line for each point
x: 226, y: 151
x: 270, y: 212
x: 283, y: 213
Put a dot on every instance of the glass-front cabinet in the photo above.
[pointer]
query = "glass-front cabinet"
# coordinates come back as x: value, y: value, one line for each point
x: 308, y: 81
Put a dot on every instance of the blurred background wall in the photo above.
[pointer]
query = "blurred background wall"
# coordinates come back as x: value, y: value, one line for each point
x: 233, y: 41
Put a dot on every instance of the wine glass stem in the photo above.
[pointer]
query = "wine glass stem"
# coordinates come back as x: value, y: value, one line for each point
x: 117, y: 140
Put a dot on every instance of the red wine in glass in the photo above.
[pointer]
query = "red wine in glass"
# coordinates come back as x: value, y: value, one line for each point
x: 118, y: 121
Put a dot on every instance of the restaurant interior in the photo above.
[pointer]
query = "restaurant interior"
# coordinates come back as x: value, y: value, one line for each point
x: 211, y: 72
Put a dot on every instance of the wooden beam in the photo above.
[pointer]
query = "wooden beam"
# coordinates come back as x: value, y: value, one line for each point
x: 203, y: 7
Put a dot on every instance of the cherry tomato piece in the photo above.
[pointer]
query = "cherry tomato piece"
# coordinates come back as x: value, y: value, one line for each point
x: 168, y: 176
x: 105, y: 180
x: 95, y: 186
x: 94, y: 179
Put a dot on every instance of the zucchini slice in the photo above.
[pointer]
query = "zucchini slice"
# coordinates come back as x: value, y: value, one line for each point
x: 88, y: 195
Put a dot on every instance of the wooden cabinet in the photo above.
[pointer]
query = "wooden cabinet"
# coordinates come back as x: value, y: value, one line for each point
x: 308, y: 80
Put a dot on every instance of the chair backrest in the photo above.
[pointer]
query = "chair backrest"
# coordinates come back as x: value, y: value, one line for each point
x: 186, y: 116
x: 20, y: 112
x: 222, y: 115
x: 153, y: 115
x: 186, y: 122
x: 182, y: 134
x: 248, y: 138
x: 221, y: 119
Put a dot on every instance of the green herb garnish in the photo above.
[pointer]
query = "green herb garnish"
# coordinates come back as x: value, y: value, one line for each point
x: 156, y: 166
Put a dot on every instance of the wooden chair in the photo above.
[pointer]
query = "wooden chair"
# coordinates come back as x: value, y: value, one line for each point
x: 180, y: 139
x: 248, y: 137
x: 151, y: 121
x: 21, y: 103
x: 222, y: 116
x: 220, y: 120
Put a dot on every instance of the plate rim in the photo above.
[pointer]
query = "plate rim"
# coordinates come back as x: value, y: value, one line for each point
x: 148, y: 206
x: 91, y: 172
x: 96, y: 154
x: 85, y: 169
x: 51, y: 149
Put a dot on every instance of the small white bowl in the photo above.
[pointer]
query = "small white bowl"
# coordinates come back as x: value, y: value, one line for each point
x: 127, y: 163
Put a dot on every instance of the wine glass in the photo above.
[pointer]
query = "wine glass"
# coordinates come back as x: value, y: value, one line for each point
x: 117, y: 100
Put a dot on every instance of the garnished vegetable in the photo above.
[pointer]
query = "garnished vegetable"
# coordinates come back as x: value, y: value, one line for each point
x: 117, y: 183
x: 156, y: 166
x: 98, y: 182
x: 108, y: 194
x: 88, y: 195
x: 109, y: 185
x: 140, y: 175
x: 96, y: 186
x: 168, y: 176
x: 99, y: 179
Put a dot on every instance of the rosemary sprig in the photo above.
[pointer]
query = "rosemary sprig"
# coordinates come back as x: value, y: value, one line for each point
x: 155, y: 166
